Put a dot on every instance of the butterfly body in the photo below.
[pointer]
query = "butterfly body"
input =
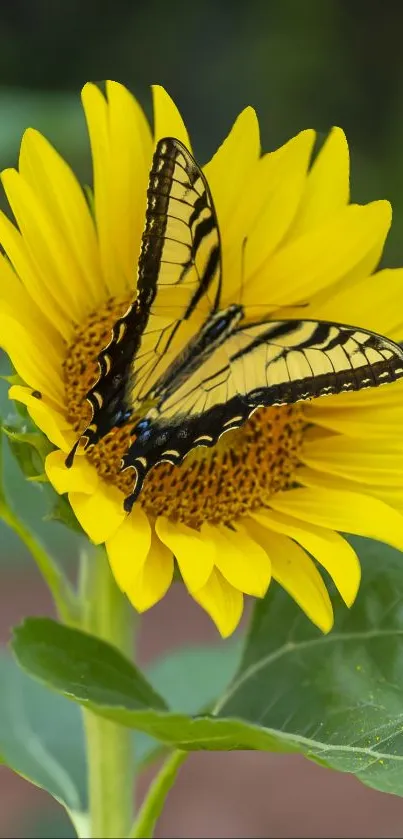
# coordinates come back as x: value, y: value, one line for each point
x: 184, y: 371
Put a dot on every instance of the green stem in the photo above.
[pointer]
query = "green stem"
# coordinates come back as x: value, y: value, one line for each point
x: 151, y: 809
x: 108, y: 615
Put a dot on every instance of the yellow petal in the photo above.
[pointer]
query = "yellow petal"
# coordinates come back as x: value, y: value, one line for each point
x: 392, y: 496
x: 359, y: 422
x: 349, y: 512
x: 321, y: 257
x: 327, y: 186
x: 228, y: 170
x: 37, y: 362
x: 270, y: 198
x: 222, y: 602
x: 81, y: 477
x: 130, y: 163
x: 14, y: 298
x: 46, y: 243
x: 363, y: 304
x: 240, y: 559
x: 387, y: 398
x: 193, y: 551
x: 96, y: 114
x: 33, y: 279
x: 361, y: 460
x: 61, y: 196
x: 154, y: 578
x: 167, y: 119
x: 99, y: 514
x: 297, y: 574
x: 326, y: 546
x: 128, y: 547
x: 45, y: 417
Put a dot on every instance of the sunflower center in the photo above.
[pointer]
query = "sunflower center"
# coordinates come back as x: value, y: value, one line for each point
x: 216, y: 485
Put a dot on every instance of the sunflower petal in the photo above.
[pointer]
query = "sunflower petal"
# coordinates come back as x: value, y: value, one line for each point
x: 362, y: 422
x: 130, y: 161
x: 99, y: 514
x: 222, y: 602
x: 258, y: 223
x: 47, y: 244
x: 297, y: 574
x: 194, y: 552
x: 154, y: 578
x: 81, y: 477
x: 128, y: 547
x: 240, y: 559
x: 15, y: 298
x: 37, y: 363
x: 35, y: 281
x: 327, y: 186
x: 343, y: 510
x: 49, y: 420
x: 96, y: 113
x: 362, y: 304
x: 59, y: 192
x: 324, y: 255
x: 167, y: 119
x: 228, y: 170
x: 357, y: 460
x: 326, y: 546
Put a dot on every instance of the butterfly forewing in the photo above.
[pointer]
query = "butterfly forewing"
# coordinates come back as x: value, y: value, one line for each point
x: 179, y: 277
x: 179, y: 268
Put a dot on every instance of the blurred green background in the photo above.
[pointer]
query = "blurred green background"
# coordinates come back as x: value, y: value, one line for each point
x: 300, y: 63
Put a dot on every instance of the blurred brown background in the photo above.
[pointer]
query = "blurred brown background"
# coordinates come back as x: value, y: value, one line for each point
x: 300, y: 64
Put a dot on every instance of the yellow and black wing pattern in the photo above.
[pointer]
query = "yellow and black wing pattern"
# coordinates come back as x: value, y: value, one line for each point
x: 178, y: 287
x: 260, y: 365
x: 180, y: 370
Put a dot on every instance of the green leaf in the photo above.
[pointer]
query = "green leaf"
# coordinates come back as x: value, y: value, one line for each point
x: 94, y: 670
x: 41, y: 737
x: 190, y: 680
x: 61, y: 511
x: 336, y: 699
x: 30, y: 449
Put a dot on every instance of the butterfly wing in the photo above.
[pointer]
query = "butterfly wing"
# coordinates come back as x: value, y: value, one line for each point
x: 272, y: 363
x: 179, y: 280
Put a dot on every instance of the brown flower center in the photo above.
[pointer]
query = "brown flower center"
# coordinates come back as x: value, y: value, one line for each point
x: 217, y: 485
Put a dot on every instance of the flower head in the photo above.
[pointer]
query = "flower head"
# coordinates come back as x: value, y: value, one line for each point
x: 271, y: 497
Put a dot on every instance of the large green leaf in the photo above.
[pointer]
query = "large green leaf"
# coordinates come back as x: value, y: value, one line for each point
x: 190, y: 680
x: 336, y: 699
x: 41, y: 736
x: 94, y: 670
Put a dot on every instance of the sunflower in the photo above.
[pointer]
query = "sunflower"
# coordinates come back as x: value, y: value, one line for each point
x: 270, y: 499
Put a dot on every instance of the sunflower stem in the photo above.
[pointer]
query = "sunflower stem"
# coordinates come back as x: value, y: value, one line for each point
x: 110, y: 760
x: 153, y: 804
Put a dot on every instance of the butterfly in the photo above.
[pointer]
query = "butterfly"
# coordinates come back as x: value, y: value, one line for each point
x: 182, y: 369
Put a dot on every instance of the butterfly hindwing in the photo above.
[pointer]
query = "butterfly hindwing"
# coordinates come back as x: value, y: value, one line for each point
x: 266, y: 364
